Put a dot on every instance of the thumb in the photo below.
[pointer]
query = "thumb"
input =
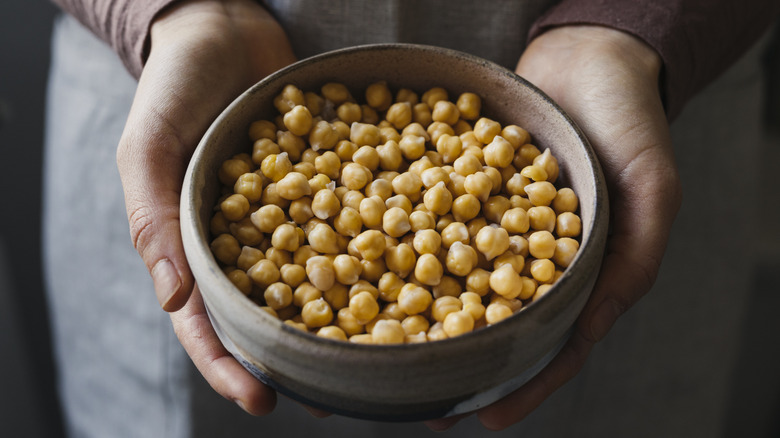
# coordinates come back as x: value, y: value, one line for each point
x: 152, y: 160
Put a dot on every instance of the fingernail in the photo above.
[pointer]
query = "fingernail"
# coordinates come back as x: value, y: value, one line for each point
x: 603, y: 318
x: 241, y: 405
x: 166, y: 281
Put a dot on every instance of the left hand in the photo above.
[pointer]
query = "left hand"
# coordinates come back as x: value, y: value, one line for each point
x: 607, y: 81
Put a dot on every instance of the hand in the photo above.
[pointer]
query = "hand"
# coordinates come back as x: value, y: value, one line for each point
x: 607, y: 81
x: 203, y: 54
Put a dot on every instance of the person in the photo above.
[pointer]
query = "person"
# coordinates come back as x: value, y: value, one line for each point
x: 622, y: 71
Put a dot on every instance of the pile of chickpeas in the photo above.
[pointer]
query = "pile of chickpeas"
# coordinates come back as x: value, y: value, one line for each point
x: 406, y: 218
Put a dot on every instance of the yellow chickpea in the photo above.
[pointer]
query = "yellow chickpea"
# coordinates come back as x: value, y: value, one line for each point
x: 415, y: 324
x: 348, y: 222
x: 278, y: 295
x: 540, y: 193
x: 469, y: 105
x: 497, y: 312
x: 428, y: 269
x: 285, y: 237
x: 234, y: 207
x: 438, y: 199
x: 478, y: 184
x: 300, y: 210
x: 458, y: 323
x: 319, y: 270
x: 250, y: 185
x: 499, y: 152
x: 347, y: 268
x: 436, y: 332
x: 323, y: 136
x: 492, y: 241
x: 390, y: 155
x: 412, y: 146
x: 388, y: 331
x: 461, y: 259
x: 443, y: 306
x: 226, y: 249
x: 565, y: 250
x: 454, y: 232
x: 515, y: 185
x: 372, y: 211
x: 478, y: 281
x: 449, y: 146
x: 363, y: 134
x: 541, y: 218
x: 506, y: 282
x: 325, y: 204
x: 288, y: 98
x: 378, y: 96
x: 542, y: 270
x: 549, y: 163
x: 323, y: 239
x: 304, y: 293
x: 293, y: 185
x: 298, y: 120
x: 349, y: 112
x: 248, y: 256
x: 400, y: 259
x: 246, y: 232
x: 565, y: 201
x: 395, y: 222
x: 446, y: 112
x: 408, y: 184
x: 486, y: 129
x: 335, y: 92
x: 262, y: 129
x: 421, y: 220
x: 515, y: 221
x: 352, y: 199
x: 346, y: 321
x: 328, y: 163
x: 515, y: 135
x: 241, y: 281
x: 337, y: 296
x: 332, y: 332
x: 370, y: 244
x: 278, y: 256
x: 399, y: 114
x: 414, y: 299
x: 292, y: 274
x: 317, y: 313
x: 364, y: 307
x: 568, y: 224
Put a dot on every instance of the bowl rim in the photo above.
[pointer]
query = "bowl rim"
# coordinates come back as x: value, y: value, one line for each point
x: 195, y: 246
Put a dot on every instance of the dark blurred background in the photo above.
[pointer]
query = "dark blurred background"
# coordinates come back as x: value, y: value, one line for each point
x: 28, y: 405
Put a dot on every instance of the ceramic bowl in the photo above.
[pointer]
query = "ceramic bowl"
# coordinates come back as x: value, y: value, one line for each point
x: 412, y: 381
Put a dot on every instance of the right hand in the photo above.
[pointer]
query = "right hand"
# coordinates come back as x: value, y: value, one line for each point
x: 204, y: 53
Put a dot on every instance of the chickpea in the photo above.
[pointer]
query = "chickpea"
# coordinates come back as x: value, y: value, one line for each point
x: 321, y: 182
x: 454, y: 232
x: 298, y: 120
x: 509, y: 258
x: 390, y: 155
x: 352, y: 199
x: 400, y: 259
x: 388, y: 331
x: 497, y: 312
x: 568, y: 224
x: 323, y: 239
x: 337, y: 296
x: 408, y: 184
x: 438, y: 199
x: 467, y: 164
x: 346, y: 321
x: 364, y: 307
x: 395, y: 222
x: 250, y: 185
x: 540, y: 193
x: 363, y: 134
x: 422, y: 114
x: 515, y: 135
x: 349, y: 112
x: 529, y: 288
x: 246, y: 232
x: 378, y: 96
x: 320, y: 271
x: 234, y: 207
x: 279, y: 257
x: 262, y: 129
x: 565, y: 201
x: 218, y: 224
x: 428, y: 269
x: 515, y: 221
x: 443, y: 306
x: 323, y: 135
x: 414, y: 299
x: 347, y: 268
x: 304, y: 293
x: 370, y: 244
x: 290, y: 144
x: 345, y: 149
x: 372, y: 211
x: 492, y: 241
x: 348, y: 222
x: 328, y: 163
x: 458, y: 323
x: 446, y: 112
x: 542, y: 270
x: 226, y: 249
x: 479, y: 185
x: 399, y: 114
x: 549, y: 163
x: 449, y: 146
x: 292, y: 274
x: 288, y: 98
x: 248, y: 257
x: 469, y: 105
x: 325, y: 204
x: 240, y: 280
x: 495, y: 207
x: 461, y: 259
x: 362, y: 338
x: 421, y: 220
x: 412, y: 146
x: 355, y: 176
x: 316, y: 313
x: 499, y: 152
x: 285, y: 237
x: 516, y: 184
x: 300, y: 210
x: 525, y: 155
x: 565, y: 250
x: 332, y: 332
x: 415, y: 324
x: 478, y: 281
x: 278, y: 295
x: 541, y: 218
x: 506, y: 282
x: 399, y: 201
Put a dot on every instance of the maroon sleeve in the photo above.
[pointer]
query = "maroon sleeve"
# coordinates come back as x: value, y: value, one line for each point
x: 123, y: 24
x: 696, y: 39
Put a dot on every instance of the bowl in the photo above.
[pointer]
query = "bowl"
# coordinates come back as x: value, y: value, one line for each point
x: 406, y: 382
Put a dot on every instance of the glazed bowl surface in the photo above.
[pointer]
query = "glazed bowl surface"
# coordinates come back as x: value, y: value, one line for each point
x: 410, y: 381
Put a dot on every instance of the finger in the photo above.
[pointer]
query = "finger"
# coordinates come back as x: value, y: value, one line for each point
x: 215, y: 363
x: 442, y: 424
x: 517, y: 405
